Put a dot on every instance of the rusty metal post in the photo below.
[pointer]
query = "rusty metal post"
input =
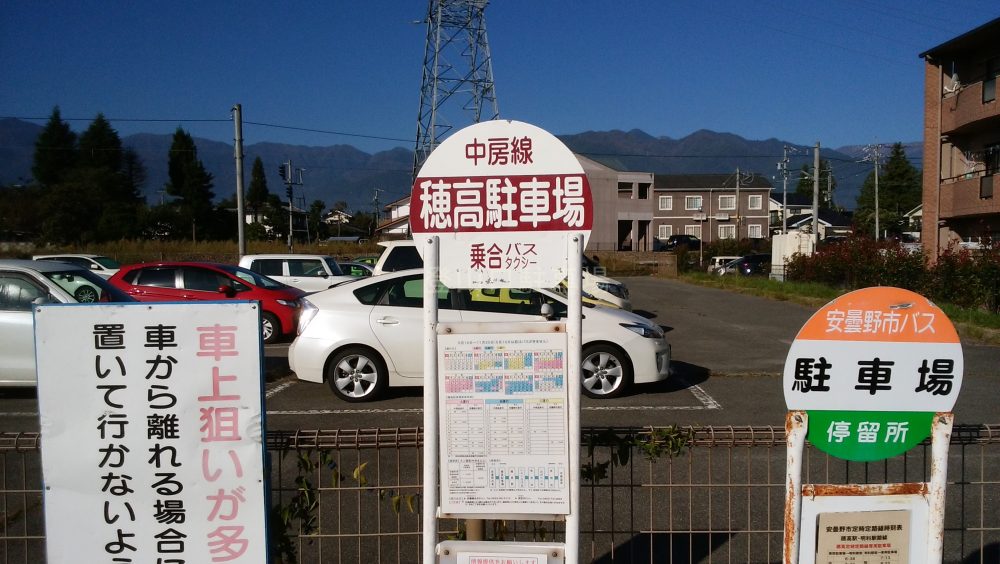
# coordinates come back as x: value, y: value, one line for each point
x: 940, y: 441
x: 796, y: 427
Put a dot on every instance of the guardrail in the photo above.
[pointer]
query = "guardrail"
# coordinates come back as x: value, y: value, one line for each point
x: 673, y: 494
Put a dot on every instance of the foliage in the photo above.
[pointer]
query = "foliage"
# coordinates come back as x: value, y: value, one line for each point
x: 189, y: 182
x: 964, y: 278
x: 257, y: 194
x: 899, y: 191
x: 654, y: 444
x: 55, y: 151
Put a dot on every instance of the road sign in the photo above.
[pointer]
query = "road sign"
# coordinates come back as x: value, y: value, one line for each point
x: 501, y: 196
x: 871, y: 368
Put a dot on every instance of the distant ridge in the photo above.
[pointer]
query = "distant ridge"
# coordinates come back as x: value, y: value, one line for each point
x: 343, y: 172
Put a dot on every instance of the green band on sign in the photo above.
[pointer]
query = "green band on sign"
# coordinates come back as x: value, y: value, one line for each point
x: 865, y: 436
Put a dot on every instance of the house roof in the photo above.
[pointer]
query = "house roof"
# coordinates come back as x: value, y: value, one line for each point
x: 826, y: 217
x: 794, y: 200
x: 400, y: 202
x: 706, y: 181
x: 983, y: 36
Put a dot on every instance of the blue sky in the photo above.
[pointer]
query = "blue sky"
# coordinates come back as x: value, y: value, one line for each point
x: 839, y: 72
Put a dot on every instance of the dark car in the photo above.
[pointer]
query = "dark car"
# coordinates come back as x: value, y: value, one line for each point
x: 195, y: 281
x: 749, y: 265
x: 675, y: 241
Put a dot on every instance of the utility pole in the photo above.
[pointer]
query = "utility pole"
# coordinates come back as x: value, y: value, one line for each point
x: 815, y: 221
x: 783, y: 169
x: 873, y: 153
x: 240, y: 214
x: 286, y: 171
x: 737, y: 203
x: 376, y: 207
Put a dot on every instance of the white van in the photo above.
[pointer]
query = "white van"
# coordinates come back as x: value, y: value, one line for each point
x: 403, y: 255
x: 717, y: 262
x: 310, y: 273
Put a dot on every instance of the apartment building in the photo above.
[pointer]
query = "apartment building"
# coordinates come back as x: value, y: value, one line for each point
x: 961, y: 183
x: 712, y: 206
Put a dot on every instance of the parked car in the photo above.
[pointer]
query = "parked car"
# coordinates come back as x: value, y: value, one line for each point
x: 366, y: 259
x: 674, y: 241
x: 364, y: 336
x: 103, y: 266
x: 748, y: 265
x: 196, y: 281
x: 25, y: 283
x: 309, y: 273
x: 355, y: 269
x: 403, y: 255
x: 716, y: 262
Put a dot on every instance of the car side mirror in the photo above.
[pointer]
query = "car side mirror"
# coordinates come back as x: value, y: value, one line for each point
x: 548, y: 312
x: 229, y: 291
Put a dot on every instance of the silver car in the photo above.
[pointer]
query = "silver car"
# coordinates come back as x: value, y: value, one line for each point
x: 25, y: 283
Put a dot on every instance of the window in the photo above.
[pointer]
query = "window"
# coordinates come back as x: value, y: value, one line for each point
x: 990, y: 80
x: 693, y: 230
x: 727, y: 202
x: 666, y: 203
x: 727, y: 232
x: 505, y: 300
x: 754, y: 231
x: 624, y: 190
x: 756, y: 202
x: 692, y: 202
x: 664, y: 231
x: 159, y: 277
x: 267, y: 267
x: 402, y: 257
x: 204, y: 280
x: 644, y: 190
x: 409, y: 292
x: 306, y: 267
x: 17, y: 293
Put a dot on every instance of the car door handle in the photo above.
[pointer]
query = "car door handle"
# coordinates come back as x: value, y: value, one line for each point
x: 387, y: 321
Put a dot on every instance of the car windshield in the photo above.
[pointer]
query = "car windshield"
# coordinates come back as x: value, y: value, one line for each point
x: 252, y: 277
x: 107, y: 262
x: 72, y: 280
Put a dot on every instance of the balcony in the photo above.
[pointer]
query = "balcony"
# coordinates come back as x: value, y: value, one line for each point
x: 962, y: 198
x: 966, y: 107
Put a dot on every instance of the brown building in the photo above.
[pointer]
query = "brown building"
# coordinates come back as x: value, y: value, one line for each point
x: 712, y: 206
x: 961, y: 139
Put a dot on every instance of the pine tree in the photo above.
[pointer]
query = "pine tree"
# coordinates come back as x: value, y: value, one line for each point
x: 899, y: 191
x: 257, y: 194
x: 189, y: 182
x: 55, y: 151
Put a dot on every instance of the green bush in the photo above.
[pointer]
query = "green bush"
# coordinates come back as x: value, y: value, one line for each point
x: 961, y: 277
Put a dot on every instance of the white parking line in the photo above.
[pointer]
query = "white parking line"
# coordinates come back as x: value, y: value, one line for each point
x: 278, y: 389
x: 706, y: 400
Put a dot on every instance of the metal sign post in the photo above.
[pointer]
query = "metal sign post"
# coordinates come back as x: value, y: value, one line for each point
x: 502, y: 204
x: 869, y: 376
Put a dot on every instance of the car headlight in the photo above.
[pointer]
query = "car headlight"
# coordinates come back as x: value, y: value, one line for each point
x: 648, y: 331
x: 289, y: 303
x: 618, y: 290
x: 306, y: 315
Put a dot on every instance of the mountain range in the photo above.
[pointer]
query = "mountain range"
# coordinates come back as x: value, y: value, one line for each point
x: 344, y: 173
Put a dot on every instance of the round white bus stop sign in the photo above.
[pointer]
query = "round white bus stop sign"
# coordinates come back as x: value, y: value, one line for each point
x: 502, y: 196
x: 872, y: 368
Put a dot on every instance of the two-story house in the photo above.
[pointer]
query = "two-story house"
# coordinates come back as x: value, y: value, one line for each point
x: 961, y: 173
x: 712, y: 206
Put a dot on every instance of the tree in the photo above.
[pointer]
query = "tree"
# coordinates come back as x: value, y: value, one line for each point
x: 257, y: 193
x: 189, y: 182
x: 315, y: 219
x: 899, y: 191
x: 55, y: 151
x: 827, y: 184
x: 100, y: 146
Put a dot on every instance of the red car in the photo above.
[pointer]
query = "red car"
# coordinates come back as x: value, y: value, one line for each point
x: 193, y: 281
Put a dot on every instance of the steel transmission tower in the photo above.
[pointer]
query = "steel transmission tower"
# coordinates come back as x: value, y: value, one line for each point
x: 457, y: 74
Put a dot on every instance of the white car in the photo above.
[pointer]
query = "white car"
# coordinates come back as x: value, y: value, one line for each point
x: 403, y: 255
x: 364, y: 336
x: 103, y: 266
x: 309, y: 273
x: 24, y: 283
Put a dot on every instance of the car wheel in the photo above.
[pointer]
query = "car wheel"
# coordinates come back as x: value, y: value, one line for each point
x: 606, y: 372
x: 357, y: 374
x: 270, y: 328
x: 86, y: 294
